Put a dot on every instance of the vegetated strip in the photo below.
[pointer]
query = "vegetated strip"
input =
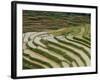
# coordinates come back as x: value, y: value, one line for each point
x: 79, y: 42
x: 29, y: 65
x: 74, y: 52
x: 62, y: 53
x: 32, y: 62
x: 37, y: 60
x: 45, y: 53
x: 73, y: 45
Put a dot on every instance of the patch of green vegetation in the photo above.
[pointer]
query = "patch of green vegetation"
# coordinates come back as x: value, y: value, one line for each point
x: 63, y: 39
x: 38, y: 21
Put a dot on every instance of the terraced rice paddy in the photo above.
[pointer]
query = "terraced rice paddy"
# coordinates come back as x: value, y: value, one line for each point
x: 63, y: 47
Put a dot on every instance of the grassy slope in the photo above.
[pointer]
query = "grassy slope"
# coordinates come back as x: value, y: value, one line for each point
x: 74, y: 27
